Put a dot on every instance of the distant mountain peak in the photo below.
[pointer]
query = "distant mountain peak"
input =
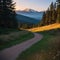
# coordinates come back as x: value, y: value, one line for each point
x: 29, y: 10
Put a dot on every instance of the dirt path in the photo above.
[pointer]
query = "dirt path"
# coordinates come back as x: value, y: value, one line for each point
x: 13, y: 52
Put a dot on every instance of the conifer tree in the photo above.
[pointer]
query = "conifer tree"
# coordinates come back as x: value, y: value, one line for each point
x: 51, y: 12
x: 58, y: 11
x: 43, y: 22
x: 1, y: 11
x: 8, y: 15
x: 54, y: 14
x: 47, y: 17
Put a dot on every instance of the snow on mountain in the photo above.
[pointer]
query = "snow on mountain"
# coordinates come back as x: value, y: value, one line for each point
x: 29, y: 10
x: 31, y: 13
x: 29, y: 16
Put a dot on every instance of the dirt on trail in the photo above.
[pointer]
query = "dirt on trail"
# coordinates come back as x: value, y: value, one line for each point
x: 13, y: 52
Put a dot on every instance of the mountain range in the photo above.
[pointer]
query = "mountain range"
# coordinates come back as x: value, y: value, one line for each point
x: 28, y: 10
x: 29, y: 16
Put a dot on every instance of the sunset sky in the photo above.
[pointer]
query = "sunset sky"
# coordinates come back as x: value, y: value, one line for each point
x: 39, y: 5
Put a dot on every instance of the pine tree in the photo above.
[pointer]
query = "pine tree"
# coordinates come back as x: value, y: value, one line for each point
x: 1, y: 12
x: 43, y: 21
x: 54, y: 14
x: 51, y: 12
x: 55, y: 8
x: 58, y: 11
x: 47, y: 17
x: 8, y: 14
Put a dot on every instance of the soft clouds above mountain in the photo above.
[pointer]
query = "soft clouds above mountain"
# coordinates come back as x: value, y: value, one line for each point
x: 33, y: 4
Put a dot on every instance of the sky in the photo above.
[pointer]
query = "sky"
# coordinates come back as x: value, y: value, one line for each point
x: 39, y: 5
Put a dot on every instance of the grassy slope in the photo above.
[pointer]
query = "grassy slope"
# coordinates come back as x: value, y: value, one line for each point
x: 45, y: 28
x: 12, y: 37
x: 46, y: 49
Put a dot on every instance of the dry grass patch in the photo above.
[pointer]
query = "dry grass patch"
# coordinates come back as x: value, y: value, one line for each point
x: 8, y: 40
x: 13, y: 35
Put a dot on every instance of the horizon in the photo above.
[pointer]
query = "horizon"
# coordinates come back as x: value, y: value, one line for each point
x: 37, y: 5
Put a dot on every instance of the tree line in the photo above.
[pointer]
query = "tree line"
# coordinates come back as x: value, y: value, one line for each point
x: 52, y: 15
x: 7, y: 14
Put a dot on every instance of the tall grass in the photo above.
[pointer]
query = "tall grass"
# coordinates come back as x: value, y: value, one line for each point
x: 14, y: 38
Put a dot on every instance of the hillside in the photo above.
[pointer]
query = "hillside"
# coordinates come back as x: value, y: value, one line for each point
x: 45, y: 28
x: 25, y: 19
x: 46, y: 49
x: 35, y: 15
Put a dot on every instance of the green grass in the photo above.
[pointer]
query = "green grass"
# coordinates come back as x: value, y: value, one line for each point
x: 45, y: 49
x: 24, y: 35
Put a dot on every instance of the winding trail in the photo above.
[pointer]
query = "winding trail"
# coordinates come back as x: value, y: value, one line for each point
x: 13, y: 52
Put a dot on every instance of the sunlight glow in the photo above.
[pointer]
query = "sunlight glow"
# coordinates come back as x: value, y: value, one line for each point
x: 39, y: 5
x: 45, y: 28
